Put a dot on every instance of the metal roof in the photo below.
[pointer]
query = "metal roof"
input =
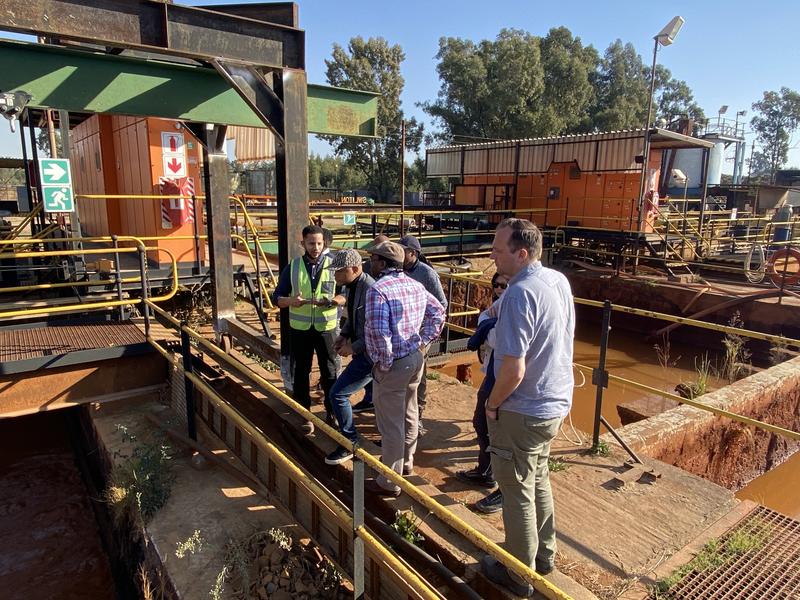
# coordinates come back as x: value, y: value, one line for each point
x: 659, y: 138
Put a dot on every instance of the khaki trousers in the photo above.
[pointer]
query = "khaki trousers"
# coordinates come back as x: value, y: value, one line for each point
x: 396, y: 414
x: 520, y: 447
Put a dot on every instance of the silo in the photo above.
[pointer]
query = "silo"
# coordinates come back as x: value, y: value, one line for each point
x: 716, y: 159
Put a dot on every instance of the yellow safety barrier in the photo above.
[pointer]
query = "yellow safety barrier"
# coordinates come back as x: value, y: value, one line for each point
x: 25, y: 222
x: 415, y: 585
x: 788, y: 433
x: 776, y: 339
x: 94, y: 305
x: 541, y: 584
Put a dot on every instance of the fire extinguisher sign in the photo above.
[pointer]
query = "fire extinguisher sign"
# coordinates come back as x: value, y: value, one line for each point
x: 173, y: 154
x: 178, y: 208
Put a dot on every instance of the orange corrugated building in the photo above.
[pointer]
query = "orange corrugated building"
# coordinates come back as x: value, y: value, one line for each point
x: 129, y: 156
x: 589, y: 180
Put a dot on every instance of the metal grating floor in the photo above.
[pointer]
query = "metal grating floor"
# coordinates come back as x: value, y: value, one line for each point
x: 770, y: 570
x: 23, y: 344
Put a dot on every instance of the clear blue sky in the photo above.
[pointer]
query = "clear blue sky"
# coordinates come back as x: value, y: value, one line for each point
x: 728, y: 52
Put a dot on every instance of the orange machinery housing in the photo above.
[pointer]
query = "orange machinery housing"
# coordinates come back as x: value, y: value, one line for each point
x: 589, y: 180
x: 134, y: 156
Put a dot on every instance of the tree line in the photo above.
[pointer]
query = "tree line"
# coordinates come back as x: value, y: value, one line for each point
x: 516, y: 86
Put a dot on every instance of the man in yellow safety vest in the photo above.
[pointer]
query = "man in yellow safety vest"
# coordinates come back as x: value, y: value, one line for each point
x: 308, y: 289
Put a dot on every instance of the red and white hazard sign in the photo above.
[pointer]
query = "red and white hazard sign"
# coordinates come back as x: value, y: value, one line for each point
x: 173, y: 154
x: 179, y: 207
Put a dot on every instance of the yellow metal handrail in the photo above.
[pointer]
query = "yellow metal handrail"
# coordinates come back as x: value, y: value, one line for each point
x: 788, y: 433
x: 262, y: 285
x: 405, y: 576
x: 25, y: 312
x: 249, y: 223
x: 25, y: 222
x: 540, y: 583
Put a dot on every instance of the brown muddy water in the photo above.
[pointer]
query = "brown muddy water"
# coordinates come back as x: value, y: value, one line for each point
x: 634, y: 358
x: 49, y: 539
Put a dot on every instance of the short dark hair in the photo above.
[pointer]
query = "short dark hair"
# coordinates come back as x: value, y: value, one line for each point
x: 312, y: 229
x: 524, y: 234
x: 327, y: 237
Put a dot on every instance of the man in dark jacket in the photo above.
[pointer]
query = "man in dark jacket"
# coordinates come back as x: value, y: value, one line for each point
x: 348, y: 271
x: 423, y: 273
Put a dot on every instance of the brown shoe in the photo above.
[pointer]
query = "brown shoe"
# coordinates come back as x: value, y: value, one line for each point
x: 408, y: 471
x: 373, y: 487
x: 307, y: 427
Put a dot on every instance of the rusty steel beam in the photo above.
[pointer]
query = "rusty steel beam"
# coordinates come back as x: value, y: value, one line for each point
x: 280, y: 13
x: 155, y: 26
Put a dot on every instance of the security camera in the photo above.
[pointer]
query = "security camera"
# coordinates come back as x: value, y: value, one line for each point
x: 12, y: 104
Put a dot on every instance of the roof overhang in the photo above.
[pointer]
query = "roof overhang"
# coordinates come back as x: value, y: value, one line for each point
x: 664, y: 138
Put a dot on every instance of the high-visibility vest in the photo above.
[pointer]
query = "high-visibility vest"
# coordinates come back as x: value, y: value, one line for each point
x: 303, y: 317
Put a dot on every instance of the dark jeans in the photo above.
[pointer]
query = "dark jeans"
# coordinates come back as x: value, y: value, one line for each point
x: 304, y: 344
x: 422, y: 390
x: 356, y: 375
x: 482, y: 430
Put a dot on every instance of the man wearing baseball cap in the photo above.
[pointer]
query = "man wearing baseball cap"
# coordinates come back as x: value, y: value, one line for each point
x: 422, y: 272
x: 347, y: 267
x: 401, y: 320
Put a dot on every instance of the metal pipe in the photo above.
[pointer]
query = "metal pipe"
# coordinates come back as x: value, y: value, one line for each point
x: 402, y: 178
x: 600, y: 374
x: 118, y: 277
x: 620, y: 441
x: 143, y: 272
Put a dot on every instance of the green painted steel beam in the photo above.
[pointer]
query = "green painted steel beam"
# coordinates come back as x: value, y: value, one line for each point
x: 94, y: 82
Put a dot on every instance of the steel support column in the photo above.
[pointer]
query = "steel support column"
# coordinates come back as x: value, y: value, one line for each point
x: 219, y: 225
x: 291, y: 170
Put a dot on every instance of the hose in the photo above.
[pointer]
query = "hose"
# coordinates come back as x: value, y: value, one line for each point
x: 758, y: 275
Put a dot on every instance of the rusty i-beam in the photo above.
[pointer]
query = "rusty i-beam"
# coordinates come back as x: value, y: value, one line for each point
x: 258, y: 48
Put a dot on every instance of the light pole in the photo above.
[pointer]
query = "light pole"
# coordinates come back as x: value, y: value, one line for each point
x: 665, y: 37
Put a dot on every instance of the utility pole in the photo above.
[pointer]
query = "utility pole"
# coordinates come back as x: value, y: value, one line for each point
x: 402, y: 178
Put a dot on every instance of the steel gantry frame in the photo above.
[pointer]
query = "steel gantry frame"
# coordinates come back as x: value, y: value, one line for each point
x: 257, y: 48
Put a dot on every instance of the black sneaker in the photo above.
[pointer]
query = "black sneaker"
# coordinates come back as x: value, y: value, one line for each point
x: 498, y: 573
x: 338, y: 456
x: 474, y: 477
x: 363, y: 407
x: 490, y: 504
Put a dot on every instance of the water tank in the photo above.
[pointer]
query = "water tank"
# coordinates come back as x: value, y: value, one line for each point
x: 716, y: 159
x: 690, y: 162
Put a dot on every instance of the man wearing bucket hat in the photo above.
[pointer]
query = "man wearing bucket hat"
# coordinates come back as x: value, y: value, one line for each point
x: 422, y: 272
x: 347, y: 267
x: 402, y: 318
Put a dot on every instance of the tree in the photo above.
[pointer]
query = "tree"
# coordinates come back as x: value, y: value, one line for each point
x: 417, y: 180
x: 777, y: 116
x: 622, y: 89
x: 489, y: 90
x: 674, y: 98
x: 374, y: 65
x: 568, y: 91
x: 332, y: 172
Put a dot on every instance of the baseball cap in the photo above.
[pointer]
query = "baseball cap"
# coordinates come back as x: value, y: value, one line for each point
x: 344, y: 259
x: 411, y: 243
x: 390, y: 250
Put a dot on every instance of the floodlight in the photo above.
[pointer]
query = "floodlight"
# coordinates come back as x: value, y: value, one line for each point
x: 667, y: 35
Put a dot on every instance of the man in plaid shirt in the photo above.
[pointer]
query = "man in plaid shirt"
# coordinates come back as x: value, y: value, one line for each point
x: 402, y: 318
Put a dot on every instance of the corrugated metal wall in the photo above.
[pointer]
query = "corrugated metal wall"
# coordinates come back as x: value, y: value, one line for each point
x: 614, y: 151
x: 87, y: 172
x: 252, y: 143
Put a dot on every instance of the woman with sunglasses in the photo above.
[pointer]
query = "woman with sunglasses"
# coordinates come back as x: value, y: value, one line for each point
x: 481, y: 475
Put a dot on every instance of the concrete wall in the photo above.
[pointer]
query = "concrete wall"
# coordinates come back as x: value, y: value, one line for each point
x: 728, y: 453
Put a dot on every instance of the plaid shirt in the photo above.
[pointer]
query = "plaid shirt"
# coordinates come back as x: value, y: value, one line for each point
x: 401, y: 317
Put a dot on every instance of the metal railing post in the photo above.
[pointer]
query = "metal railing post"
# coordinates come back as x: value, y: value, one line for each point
x: 198, y: 249
x: 449, y: 310
x: 259, y: 300
x: 143, y: 279
x: 188, y: 386
x: 118, y: 276
x: 358, y: 521
x: 600, y: 374
x: 461, y: 234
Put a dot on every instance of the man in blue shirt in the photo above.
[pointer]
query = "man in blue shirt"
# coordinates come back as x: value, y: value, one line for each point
x: 531, y: 396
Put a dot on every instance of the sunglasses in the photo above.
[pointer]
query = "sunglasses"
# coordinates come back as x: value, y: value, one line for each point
x: 502, y: 286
